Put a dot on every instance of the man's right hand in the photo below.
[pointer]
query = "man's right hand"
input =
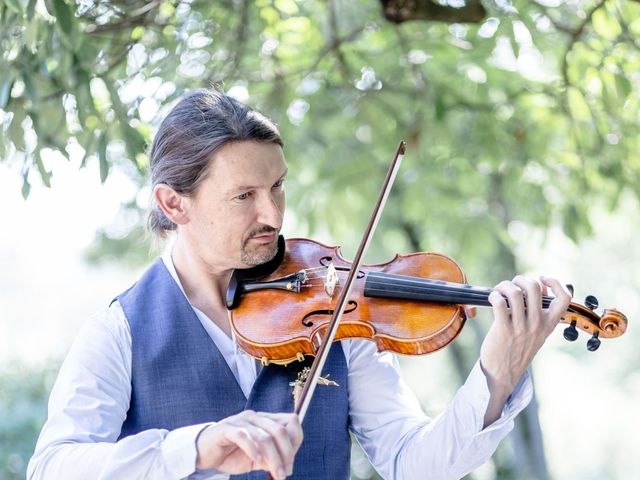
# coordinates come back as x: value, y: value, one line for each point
x: 251, y: 441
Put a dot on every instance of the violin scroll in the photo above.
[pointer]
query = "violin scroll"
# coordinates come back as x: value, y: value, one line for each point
x: 612, y: 323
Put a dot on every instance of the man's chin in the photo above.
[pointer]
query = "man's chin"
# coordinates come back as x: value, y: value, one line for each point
x: 259, y: 254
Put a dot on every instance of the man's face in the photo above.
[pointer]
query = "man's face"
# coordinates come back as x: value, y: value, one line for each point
x: 236, y: 213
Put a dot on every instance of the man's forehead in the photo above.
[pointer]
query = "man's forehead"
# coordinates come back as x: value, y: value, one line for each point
x: 251, y: 180
x: 247, y: 164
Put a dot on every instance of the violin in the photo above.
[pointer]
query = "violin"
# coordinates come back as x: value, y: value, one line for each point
x: 413, y: 304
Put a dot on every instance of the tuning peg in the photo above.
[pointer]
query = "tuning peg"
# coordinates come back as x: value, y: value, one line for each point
x: 591, y: 302
x: 570, y: 288
x: 570, y: 333
x: 594, y: 342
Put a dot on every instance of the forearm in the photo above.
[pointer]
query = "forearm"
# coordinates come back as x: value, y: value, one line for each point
x: 498, y: 395
x: 458, y: 441
x: 156, y: 454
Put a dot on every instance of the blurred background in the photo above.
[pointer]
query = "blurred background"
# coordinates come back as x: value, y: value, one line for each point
x: 522, y: 126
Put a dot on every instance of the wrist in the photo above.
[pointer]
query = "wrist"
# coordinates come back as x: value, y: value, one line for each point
x: 500, y: 381
x: 201, y: 446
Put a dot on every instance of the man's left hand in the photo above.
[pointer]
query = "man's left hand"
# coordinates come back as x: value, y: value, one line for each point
x: 517, y: 333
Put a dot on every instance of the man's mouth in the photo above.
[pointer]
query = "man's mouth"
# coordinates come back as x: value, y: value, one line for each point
x: 265, y: 237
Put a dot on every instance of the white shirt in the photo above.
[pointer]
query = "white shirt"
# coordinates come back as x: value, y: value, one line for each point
x: 90, y: 400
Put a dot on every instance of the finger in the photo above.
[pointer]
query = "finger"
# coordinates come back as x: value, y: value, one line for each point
x: 240, y: 437
x: 283, y: 418
x: 544, y: 289
x: 271, y: 460
x: 294, y: 428
x: 533, y: 295
x: 470, y: 311
x: 277, y: 444
x: 292, y: 422
x: 269, y: 455
x: 500, y: 308
x: 560, y: 303
x: 516, y: 303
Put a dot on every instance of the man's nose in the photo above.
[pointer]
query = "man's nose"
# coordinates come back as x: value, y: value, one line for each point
x: 270, y: 210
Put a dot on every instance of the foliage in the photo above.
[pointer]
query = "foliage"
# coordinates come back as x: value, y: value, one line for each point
x: 23, y: 395
x: 524, y: 116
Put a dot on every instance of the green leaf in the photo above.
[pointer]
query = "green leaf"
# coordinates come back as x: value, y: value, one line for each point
x: 14, y: 5
x: 5, y: 92
x: 102, y: 156
x: 605, y: 26
x: 88, y: 148
x: 137, y: 33
x: 440, y: 108
x: 616, y: 88
x: 623, y: 86
x: 16, y: 132
x: 29, y: 86
x: 579, y: 108
x: 287, y: 6
x: 44, y: 173
x: 84, y: 100
x: 26, y: 186
x: 31, y: 8
x: 64, y: 22
x: 134, y: 140
x: 84, y: 103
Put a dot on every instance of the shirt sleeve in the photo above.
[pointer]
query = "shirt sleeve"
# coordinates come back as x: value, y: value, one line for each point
x: 404, y: 443
x: 87, y: 407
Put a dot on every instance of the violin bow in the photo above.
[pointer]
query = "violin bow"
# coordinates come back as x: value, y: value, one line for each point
x: 323, y: 352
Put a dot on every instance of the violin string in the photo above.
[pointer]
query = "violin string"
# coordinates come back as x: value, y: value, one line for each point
x: 452, y: 296
x: 315, y: 269
x: 418, y: 285
x: 464, y: 298
x: 462, y: 292
x: 425, y: 286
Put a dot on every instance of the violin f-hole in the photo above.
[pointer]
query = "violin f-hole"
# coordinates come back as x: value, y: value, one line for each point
x: 351, y: 306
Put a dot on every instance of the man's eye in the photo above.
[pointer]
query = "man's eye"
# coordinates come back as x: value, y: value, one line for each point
x: 244, y: 196
x: 279, y: 183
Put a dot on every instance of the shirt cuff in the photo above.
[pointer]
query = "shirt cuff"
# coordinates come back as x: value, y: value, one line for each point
x: 179, y: 450
x: 476, y: 391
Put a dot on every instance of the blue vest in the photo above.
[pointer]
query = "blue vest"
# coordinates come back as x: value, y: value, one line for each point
x: 180, y: 378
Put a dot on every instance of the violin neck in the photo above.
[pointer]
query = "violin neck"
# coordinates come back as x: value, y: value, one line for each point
x: 387, y: 285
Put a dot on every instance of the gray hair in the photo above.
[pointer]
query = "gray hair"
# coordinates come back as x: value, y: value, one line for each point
x: 193, y: 131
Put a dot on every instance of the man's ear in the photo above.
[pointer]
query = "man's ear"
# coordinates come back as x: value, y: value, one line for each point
x: 172, y: 204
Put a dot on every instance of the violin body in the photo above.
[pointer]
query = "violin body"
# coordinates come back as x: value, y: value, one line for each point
x: 289, y: 324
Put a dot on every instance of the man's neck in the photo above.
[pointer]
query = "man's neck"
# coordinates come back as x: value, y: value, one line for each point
x: 204, y: 285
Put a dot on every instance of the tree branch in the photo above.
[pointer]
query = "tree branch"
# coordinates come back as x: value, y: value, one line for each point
x: 399, y: 11
x: 136, y: 18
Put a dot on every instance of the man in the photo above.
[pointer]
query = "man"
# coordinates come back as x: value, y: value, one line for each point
x: 155, y: 386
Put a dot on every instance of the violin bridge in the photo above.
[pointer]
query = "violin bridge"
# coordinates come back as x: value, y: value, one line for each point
x: 332, y: 280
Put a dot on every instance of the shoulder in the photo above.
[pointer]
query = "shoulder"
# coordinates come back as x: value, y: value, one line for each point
x: 113, y: 320
x: 105, y: 333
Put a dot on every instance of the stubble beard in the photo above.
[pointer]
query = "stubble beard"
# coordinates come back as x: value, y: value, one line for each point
x: 257, y: 255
